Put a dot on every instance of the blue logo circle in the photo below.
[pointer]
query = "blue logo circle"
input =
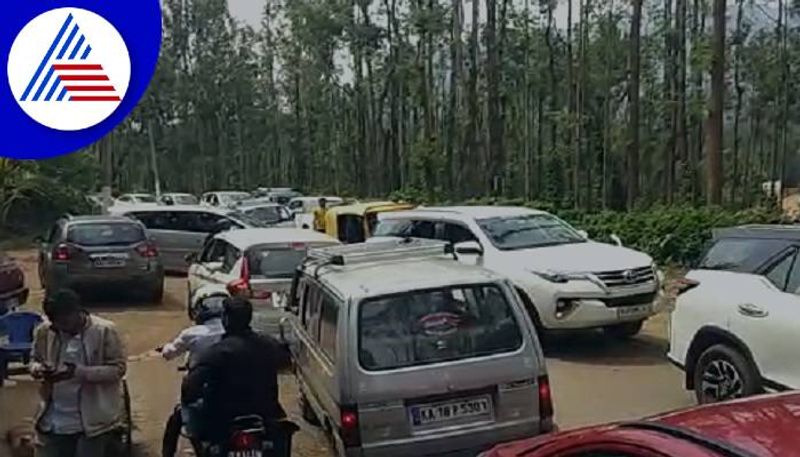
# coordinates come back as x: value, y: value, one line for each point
x: 75, y: 70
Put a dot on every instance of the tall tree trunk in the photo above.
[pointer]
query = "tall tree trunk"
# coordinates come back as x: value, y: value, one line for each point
x: 495, y: 156
x: 474, y: 105
x: 784, y: 62
x: 737, y: 114
x: 456, y: 64
x: 568, y: 178
x: 681, y: 141
x: 716, y: 106
x: 606, y: 110
x: 553, y: 92
x: 633, y: 97
x: 669, y: 106
x: 526, y: 103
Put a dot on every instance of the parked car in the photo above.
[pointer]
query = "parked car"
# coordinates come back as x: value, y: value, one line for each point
x: 82, y: 252
x: 763, y: 426
x: 303, y: 209
x: 280, y: 195
x: 566, y: 280
x: 223, y: 198
x: 355, y: 223
x: 180, y: 230
x: 734, y: 329
x: 435, y: 358
x: 136, y: 199
x: 269, y: 214
x: 258, y: 264
x: 13, y: 292
x: 175, y: 198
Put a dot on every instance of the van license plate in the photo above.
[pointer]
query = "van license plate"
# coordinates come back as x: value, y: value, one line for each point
x: 445, y: 412
x: 629, y: 311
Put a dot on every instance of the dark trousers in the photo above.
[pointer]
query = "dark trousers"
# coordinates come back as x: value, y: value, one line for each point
x: 172, y: 434
x: 77, y: 445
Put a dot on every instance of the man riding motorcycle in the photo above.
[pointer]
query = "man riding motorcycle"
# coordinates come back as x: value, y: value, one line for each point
x: 237, y: 377
x: 192, y: 341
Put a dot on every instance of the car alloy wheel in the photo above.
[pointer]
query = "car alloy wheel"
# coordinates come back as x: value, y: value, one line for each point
x: 722, y: 381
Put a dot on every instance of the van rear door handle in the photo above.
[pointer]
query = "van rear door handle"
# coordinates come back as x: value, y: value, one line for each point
x: 751, y: 310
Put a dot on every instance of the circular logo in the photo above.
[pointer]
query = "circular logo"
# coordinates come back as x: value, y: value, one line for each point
x: 69, y: 69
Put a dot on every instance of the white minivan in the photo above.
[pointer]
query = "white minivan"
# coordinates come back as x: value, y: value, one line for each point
x: 567, y: 280
x: 400, y: 350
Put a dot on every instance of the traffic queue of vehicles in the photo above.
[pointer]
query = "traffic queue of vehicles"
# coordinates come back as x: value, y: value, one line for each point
x: 424, y: 340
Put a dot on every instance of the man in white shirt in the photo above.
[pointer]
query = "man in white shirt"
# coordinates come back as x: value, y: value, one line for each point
x: 192, y: 342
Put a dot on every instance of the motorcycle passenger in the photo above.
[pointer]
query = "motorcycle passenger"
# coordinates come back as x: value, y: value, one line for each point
x: 192, y: 341
x: 236, y: 377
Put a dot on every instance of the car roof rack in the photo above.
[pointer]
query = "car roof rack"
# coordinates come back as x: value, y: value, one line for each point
x: 403, y: 249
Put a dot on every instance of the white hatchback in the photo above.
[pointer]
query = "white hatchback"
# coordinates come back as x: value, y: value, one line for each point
x: 735, y: 329
x: 258, y: 264
x: 567, y: 280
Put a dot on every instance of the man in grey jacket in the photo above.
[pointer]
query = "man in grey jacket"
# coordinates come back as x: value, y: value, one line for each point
x: 80, y: 361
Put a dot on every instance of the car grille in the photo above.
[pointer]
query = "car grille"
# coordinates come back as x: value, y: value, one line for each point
x: 624, y: 278
x: 631, y: 300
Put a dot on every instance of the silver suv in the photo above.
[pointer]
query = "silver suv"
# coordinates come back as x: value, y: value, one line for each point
x: 402, y: 351
x: 82, y: 252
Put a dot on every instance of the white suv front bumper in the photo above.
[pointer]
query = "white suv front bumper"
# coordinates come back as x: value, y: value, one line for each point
x: 579, y: 304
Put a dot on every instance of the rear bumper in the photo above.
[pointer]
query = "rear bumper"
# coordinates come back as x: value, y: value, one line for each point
x: 462, y: 442
x: 127, y: 278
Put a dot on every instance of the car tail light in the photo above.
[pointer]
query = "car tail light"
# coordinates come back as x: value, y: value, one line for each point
x: 545, y: 403
x: 241, y: 286
x: 684, y: 285
x: 62, y: 253
x: 350, y: 430
x: 147, y: 250
x: 243, y: 441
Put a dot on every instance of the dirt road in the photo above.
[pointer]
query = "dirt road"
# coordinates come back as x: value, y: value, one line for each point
x: 593, y: 379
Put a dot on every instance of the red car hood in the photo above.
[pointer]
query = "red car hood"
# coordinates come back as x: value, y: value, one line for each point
x: 766, y: 426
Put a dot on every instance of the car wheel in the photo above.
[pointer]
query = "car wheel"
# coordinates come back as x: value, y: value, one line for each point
x: 307, y: 411
x: 625, y: 330
x: 157, y: 293
x: 723, y: 373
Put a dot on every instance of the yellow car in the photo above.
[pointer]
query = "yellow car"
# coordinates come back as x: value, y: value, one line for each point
x: 354, y: 223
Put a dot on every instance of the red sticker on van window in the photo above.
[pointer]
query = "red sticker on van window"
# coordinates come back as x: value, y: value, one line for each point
x: 440, y: 324
x: 298, y: 246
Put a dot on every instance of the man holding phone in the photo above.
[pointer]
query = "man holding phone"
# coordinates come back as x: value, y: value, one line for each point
x: 80, y: 360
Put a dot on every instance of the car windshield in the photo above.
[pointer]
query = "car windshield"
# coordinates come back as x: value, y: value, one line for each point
x: 437, y: 325
x: 105, y: 233
x: 740, y: 254
x: 145, y: 198
x: 267, y: 214
x: 270, y: 262
x: 184, y: 199
x: 246, y: 219
x: 233, y: 197
x: 529, y: 231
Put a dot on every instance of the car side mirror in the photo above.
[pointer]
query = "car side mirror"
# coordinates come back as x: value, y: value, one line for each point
x: 190, y: 258
x: 468, y: 248
x: 616, y: 239
x: 584, y: 234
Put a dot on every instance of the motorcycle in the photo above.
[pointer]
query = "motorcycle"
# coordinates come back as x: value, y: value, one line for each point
x: 250, y: 436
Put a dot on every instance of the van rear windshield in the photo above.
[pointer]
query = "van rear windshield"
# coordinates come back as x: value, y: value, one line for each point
x: 436, y: 325
x: 104, y: 234
x: 274, y: 262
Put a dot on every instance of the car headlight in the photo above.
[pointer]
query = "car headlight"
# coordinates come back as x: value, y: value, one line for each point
x: 559, y: 276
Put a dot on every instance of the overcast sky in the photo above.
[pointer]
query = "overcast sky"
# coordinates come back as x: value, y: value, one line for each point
x: 247, y: 10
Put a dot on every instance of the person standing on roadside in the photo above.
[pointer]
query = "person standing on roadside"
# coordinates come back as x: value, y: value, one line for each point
x: 319, y: 215
x: 80, y: 361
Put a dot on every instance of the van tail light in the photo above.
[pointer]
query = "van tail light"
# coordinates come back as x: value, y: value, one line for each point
x: 62, y: 253
x: 349, y: 430
x: 684, y: 285
x: 241, y: 286
x: 545, y: 403
x: 147, y: 249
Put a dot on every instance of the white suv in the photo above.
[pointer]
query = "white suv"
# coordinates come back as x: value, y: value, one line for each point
x: 566, y: 280
x: 735, y: 329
